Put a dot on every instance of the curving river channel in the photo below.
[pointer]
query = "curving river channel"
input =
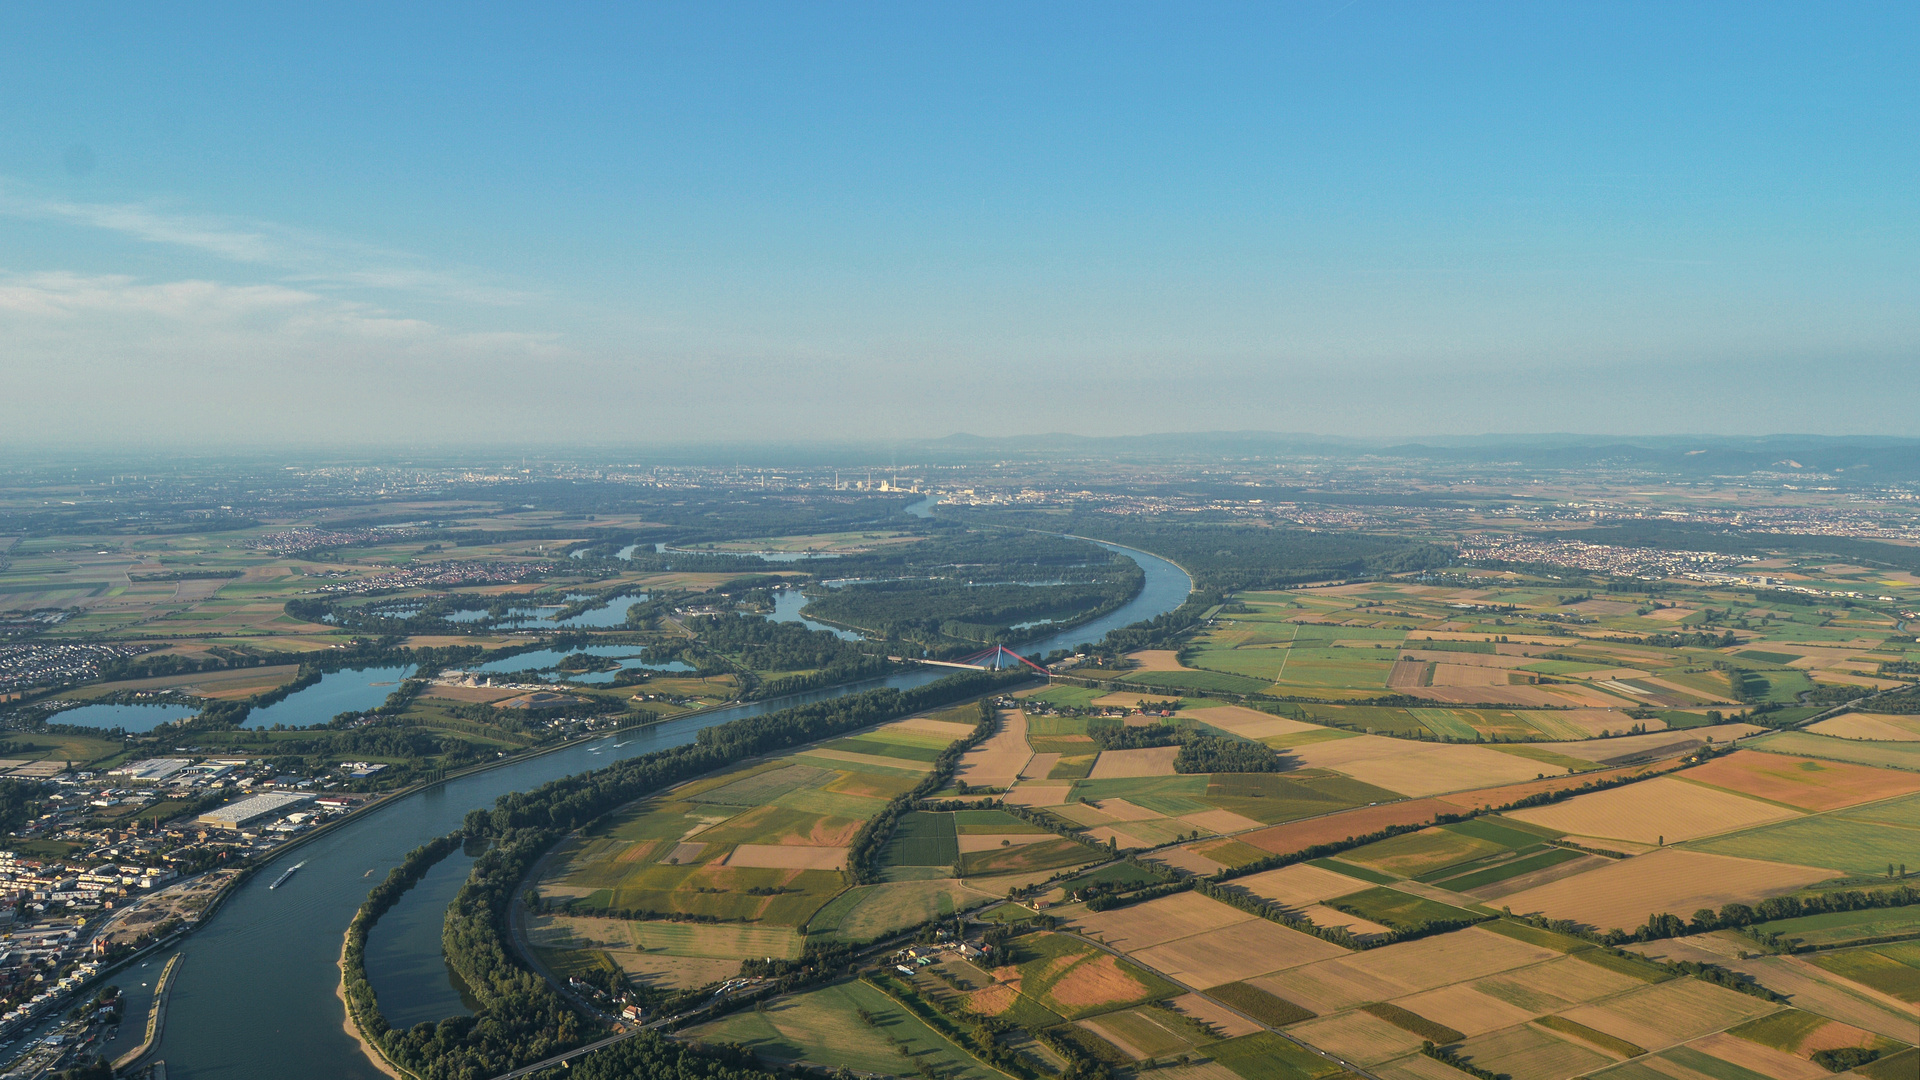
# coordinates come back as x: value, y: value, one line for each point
x: 255, y: 995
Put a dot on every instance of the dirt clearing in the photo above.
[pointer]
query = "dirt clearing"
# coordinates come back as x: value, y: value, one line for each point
x: 1283, y: 839
x: 1419, y: 768
x: 1622, y: 894
x: 1299, y: 885
x: 1646, y: 811
x: 1236, y: 952
x: 1157, y: 921
x: 999, y: 761
x: 788, y: 857
x: 1802, y: 782
x: 1871, y: 726
x: 1153, y: 761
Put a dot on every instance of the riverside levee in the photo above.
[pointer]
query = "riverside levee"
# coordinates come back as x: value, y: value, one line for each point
x: 260, y: 994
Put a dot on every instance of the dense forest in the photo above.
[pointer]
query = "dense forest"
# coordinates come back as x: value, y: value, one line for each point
x: 1230, y: 555
x: 933, y: 613
x: 761, y: 645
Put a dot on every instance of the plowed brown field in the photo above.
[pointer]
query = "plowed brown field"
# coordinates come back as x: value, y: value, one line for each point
x: 1293, y: 836
x: 1802, y: 782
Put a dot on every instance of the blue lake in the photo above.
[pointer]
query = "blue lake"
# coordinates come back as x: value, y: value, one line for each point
x: 352, y: 690
x: 127, y: 717
x: 786, y: 608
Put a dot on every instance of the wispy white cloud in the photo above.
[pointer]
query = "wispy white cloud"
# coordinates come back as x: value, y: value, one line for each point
x: 298, y: 255
x: 113, y: 313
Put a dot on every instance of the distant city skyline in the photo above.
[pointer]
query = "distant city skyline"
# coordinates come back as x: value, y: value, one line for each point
x: 225, y: 226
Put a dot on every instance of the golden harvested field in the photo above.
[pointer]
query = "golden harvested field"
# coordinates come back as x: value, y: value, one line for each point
x: 1299, y: 885
x: 1329, y: 918
x: 1156, y: 660
x: 1118, y: 836
x: 1228, y: 1022
x: 1465, y: 1009
x: 1764, y: 1060
x: 1235, y: 952
x: 1871, y: 726
x: 1153, y: 761
x: 1250, y: 723
x: 1670, y: 1012
x: 788, y: 857
x: 922, y: 725
x: 998, y: 761
x: 1039, y: 794
x: 1357, y: 1037
x: 1220, y: 821
x: 1802, y: 782
x: 1531, y: 1051
x: 1083, y: 814
x: 1416, y: 1067
x: 1554, y: 985
x: 673, y: 972
x: 1401, y: 970
x: 1122, y: 810
x: 1413, y: 768
x: 1429, y: 963
x: 866, y: 761
x: 1468, y: 675
x: 1507, y: 794
x: 1646, y: 811
x: 1327, y: 989
x: 1623, y: 893
x: 1594, y: 721
x: 1039, y: 766
x: 664, y: 953
x: 1145, y: 925
x: 1654, y: 744
x: 1293, y: 836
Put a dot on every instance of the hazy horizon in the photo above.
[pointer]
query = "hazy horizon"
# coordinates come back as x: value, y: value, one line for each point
x: 355, y: 226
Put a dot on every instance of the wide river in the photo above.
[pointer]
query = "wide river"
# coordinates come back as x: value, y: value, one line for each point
x: 255, y: 996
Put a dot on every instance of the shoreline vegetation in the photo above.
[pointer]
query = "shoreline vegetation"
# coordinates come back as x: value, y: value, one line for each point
x: 521, y: 1018
x: 363, y: 1008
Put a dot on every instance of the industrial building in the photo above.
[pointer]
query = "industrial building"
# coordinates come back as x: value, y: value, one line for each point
x: 238, y: 815
x: 151, y: 770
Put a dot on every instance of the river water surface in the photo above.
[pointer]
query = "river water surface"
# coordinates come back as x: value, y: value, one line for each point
x: 256, y: 994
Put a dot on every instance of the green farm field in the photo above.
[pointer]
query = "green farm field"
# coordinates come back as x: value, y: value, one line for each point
x: 1399, y: 910
x: 1836, y: 927
x: 1891, y: 969
x: 870, y: 911
x: 1846, y: 844
x: 824, y: 1027
x: 1898, y: 755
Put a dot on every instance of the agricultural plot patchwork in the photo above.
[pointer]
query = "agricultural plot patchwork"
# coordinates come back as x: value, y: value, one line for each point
x: 670, y: 888
x: 1504, y: 995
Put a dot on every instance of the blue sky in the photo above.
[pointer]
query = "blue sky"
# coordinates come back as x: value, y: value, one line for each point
x: 633, y: 223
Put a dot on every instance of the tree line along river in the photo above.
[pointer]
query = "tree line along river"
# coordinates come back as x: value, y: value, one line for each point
x: 256, y: 995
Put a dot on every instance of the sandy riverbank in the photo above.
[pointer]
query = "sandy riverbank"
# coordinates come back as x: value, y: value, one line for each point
x: 352, y: 1029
